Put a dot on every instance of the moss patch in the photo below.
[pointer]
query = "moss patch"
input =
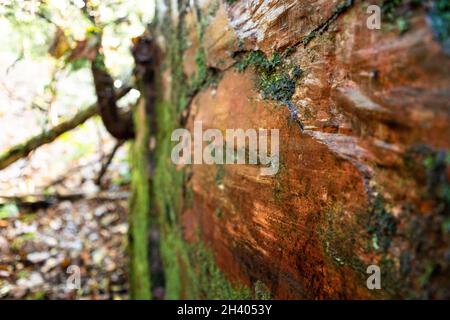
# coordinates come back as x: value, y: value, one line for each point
x: 211, y: 282
x: 438, y: 185
x: 274, y: 81
x: 139, y: 208
x: 440, y: 19
x: 382, y: 225
x: 261, y: 292
x: 399, y: 12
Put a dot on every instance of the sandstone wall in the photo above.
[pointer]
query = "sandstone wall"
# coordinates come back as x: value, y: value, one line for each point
x: 364, y: 169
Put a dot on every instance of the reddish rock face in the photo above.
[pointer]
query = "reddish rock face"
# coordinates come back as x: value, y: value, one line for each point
x: 360, y: 185
x: 274, y: 228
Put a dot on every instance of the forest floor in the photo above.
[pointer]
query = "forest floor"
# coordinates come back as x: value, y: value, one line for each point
x: 39, y: 250
x: 45, y: 245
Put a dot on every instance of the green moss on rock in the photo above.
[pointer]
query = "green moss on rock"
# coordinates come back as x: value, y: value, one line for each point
x: 276, y: 80
x: 382, y: 225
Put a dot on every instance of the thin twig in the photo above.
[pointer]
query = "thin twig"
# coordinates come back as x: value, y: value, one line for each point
x: 108, y: 161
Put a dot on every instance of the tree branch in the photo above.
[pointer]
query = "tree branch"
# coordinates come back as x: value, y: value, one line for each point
x: 22, y: 150
x: 108, y: 161
x: 120, y: 126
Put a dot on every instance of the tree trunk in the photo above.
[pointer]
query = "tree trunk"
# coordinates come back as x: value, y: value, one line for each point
x: 139, y: 209
x: 146, y: 55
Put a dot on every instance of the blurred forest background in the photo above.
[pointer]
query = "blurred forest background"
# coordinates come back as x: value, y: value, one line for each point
x: 64, y: 203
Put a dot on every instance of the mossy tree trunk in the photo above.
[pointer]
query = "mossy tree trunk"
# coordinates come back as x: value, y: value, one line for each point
x: 139, y: 208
